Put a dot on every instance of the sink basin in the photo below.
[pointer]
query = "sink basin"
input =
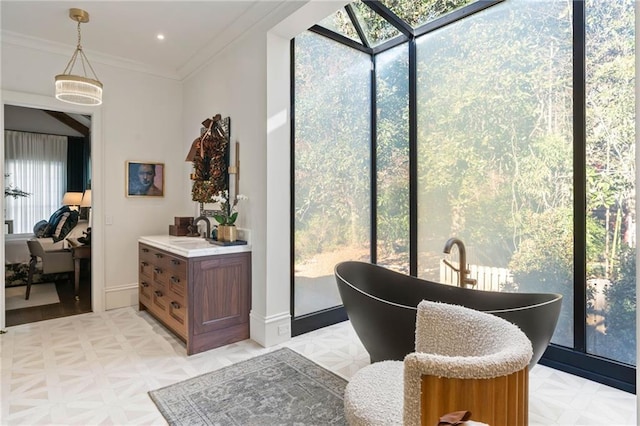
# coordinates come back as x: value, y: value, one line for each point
x: 190, y: 243
x: 192, y: 246
x: 186, y: 240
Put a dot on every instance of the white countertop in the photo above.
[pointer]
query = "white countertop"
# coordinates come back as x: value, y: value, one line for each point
x: 190, y: 246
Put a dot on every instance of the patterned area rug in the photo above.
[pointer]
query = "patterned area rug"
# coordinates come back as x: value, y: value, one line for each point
x: 15, y: 274
x: 278, y: 388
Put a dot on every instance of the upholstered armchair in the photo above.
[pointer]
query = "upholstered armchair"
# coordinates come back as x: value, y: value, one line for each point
x: 465, y: 360
x: 52, y: 261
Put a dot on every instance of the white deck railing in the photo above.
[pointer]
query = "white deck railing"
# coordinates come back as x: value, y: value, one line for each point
x: 487, y: 277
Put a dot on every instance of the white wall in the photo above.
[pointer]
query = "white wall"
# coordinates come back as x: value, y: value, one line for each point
x: 234, y: 86
x: 141, y: 119
x: 152, y: 118
x: 250, y: 83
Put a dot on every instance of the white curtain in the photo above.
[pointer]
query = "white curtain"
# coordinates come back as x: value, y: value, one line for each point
x: 36, y: 164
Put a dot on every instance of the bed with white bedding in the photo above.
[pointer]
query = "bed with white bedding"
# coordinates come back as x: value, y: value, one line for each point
x: 15, y: 245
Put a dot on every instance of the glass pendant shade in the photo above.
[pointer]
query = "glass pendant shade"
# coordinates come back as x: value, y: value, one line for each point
x: 75, y: 89
x: 78, y: 90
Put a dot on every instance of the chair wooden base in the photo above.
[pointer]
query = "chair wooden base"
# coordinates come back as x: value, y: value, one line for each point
x: 500, y: 401
x: 32, y: 268
x: 53, y: 261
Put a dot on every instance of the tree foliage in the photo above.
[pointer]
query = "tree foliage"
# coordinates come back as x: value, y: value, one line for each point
x: 495, y: 152
x: 621, y: 297
x: 332, y: 145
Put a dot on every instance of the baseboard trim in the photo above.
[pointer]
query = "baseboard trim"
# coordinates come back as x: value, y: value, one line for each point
x: 121, y: 296
x: 270, y: 330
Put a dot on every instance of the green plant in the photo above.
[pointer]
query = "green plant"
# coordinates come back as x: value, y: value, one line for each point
x: 227, y: 214
x: 621, y: 316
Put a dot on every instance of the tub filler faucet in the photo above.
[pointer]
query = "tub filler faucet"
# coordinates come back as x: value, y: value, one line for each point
x: 463, y: 272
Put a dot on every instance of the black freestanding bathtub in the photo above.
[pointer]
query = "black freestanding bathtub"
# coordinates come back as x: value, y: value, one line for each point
x: 382, y: 305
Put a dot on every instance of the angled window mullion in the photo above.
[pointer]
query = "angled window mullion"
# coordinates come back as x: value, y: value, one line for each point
x: 356, y: 25
x: 454, y: 16
x: 340, y: 38
x: 390, y: 17
x: 390, y: 44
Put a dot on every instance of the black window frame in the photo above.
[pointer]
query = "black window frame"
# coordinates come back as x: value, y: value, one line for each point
x: 573, y: 360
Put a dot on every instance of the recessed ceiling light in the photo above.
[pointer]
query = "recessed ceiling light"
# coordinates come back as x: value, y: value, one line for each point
x: 160, y: 36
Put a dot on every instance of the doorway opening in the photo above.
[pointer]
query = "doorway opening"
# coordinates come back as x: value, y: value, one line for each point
x: 47, y: 173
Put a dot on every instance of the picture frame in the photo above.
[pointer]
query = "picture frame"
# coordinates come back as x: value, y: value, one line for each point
x: 144, y: 179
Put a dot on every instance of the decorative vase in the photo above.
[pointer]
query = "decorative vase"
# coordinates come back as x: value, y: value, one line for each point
x: 227, y: 233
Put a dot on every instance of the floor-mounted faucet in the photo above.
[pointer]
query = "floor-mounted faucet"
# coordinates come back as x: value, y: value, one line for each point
x: 463, y: 272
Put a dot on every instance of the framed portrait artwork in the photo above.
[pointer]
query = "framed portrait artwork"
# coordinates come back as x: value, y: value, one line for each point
x: 144, y: 179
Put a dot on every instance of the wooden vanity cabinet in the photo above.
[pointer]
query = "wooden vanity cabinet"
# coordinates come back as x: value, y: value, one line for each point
x: 204, y: 300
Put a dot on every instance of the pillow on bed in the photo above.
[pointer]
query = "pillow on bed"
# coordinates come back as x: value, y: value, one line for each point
x: 53, y: 221
x: 65, y: 225
x: 40, y: 228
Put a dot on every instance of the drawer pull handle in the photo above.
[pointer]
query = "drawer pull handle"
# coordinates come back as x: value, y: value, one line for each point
x: 144, y: 284
x: 145, y: 250
x: 157, y: 270
x: 175, y: 280
x: 175, y: 305
x: 175, y: 262
x: 158, y: 293
x: 144, y: 263
x: 159, y: 255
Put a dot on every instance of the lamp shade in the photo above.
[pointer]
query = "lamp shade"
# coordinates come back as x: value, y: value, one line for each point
x: 86, y: 199
x: 72, y: 199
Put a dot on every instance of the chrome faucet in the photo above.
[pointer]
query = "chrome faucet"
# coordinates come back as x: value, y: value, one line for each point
x: 463, y: 272
x: 206, y: 221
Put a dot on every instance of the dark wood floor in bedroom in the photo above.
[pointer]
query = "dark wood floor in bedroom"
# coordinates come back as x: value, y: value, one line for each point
x: 68, y: 304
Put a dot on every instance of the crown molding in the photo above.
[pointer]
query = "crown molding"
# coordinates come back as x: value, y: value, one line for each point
x: 34, y: 43
x: 262, y: 16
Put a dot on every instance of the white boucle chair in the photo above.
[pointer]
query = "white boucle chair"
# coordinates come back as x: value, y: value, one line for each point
x: 464, y: 360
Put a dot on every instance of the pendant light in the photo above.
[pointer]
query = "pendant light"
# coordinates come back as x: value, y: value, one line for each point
x: 75, y: 89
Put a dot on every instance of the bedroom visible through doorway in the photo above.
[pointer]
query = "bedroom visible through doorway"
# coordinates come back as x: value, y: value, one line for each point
x: 47, y: 156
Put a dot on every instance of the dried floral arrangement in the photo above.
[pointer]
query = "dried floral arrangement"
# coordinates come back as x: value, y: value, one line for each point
x: 210, y: 156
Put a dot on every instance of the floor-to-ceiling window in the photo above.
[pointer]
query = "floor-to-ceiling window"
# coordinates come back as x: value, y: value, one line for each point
x: 332, y: 167
x: 510, y: 125
x: 392, y: 158
x: 37, y: 164
x: 610, y: 180
x: 495, y: 150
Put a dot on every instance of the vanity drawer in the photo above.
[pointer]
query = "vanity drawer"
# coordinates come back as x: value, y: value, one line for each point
x: 177, y: 286
x: 145, y: 291
x: 145, y: 253
x: 174, y: 264
x: 145, y: 261
x: 160, y: 277
x: 171, y: 272
x: 177, y: 317
x: 159, y: 302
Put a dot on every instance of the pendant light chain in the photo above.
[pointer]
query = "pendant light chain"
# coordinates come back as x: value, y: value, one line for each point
x: 79, y: 47
x: 83, y: 58
x: 79, y: 37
